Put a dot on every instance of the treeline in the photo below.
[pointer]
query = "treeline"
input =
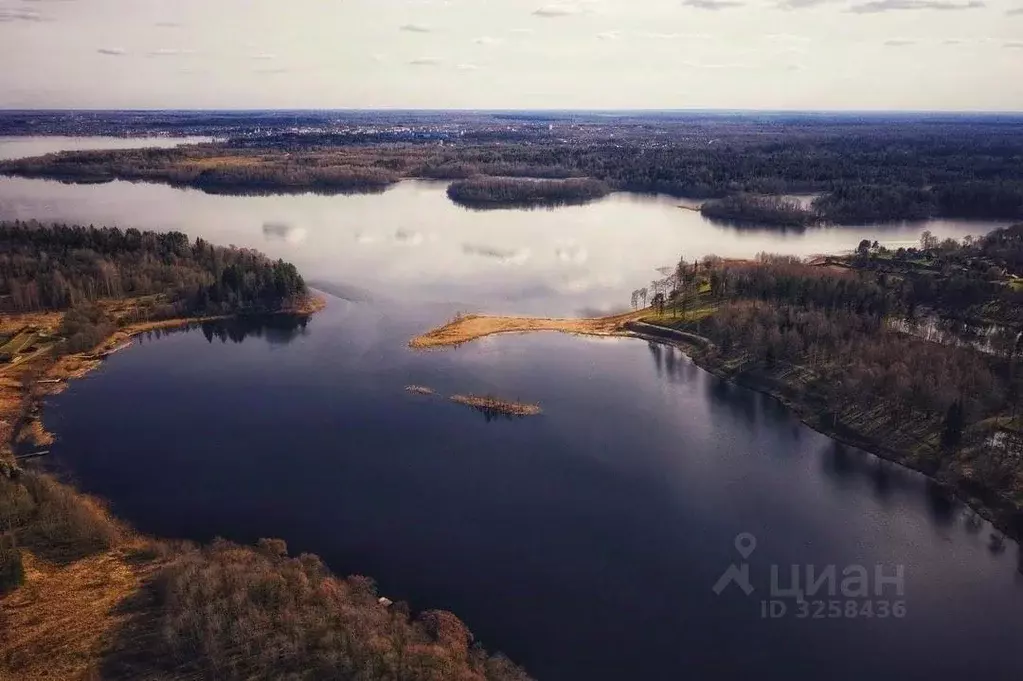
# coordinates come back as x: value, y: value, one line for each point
x: 209, y: 172
x: 58, y: 267
x: 489, y: 192
x: 869, y: 173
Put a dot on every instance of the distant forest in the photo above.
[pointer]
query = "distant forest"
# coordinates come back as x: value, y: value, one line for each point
x: 868, y: 172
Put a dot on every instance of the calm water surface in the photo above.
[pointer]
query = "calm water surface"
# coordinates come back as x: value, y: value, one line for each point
x: 584, y: 543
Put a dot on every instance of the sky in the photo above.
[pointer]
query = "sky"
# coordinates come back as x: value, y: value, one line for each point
x: 940, y: 55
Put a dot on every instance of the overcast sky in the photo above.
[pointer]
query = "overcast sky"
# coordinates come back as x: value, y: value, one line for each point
x: 750, y: 54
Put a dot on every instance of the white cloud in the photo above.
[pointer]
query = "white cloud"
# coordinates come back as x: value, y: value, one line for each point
x: 555, y: 11
x: 426, y: 61
x: 901, y: 5
x: 112, y: 51
x: 415, y: 28
x: 503, y: 255
x: 713, y: 5
x: 571, y: 253
x: 263, y: 56
x: 609, y: 35
x: 17, y: 14
x: 170, y: 52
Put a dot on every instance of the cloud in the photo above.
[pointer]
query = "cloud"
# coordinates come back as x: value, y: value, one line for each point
x: 408, y: 238
x: 503, y: 255
x: 112, y: 51
x: 14, y: 14
x: 486, y: 40
x: 170, y: 52
x: 467, y: 67
x: 272, y: 70
x: 571, y: 253
x: 787, y: 38
x: 952, y: 41
x: 415, y: 28
x: 677, y: 36
x: 1014, y: 45
x: 801, y: 4
x: 168, y: 24
x: 426, y: 61
x: 896, y: 5
x: 263, y: 56
x: 898, y: 42
x: 282, y: 231
x: 609, y: 35
x: 713, y: 5
x: 1015, y: 12
x: 555, y: 11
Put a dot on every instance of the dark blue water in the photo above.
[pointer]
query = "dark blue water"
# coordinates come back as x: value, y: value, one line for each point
x: 585, y: 542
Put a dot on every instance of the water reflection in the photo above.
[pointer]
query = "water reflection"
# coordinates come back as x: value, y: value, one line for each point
x: 274, y: 329
x: 942, y: 505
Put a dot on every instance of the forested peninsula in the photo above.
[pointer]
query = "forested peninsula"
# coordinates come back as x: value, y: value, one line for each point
x: 915, y: 354
x: 852, y: 173
x: 81, y: 593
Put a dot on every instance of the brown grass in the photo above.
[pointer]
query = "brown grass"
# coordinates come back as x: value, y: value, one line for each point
x: 57, y: 625
x: 496, y: 405
x: 471, y: 327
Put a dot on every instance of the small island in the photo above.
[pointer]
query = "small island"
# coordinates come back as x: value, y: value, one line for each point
x: 512, y: 192
x: 752, y: 209
x: 495, y: 406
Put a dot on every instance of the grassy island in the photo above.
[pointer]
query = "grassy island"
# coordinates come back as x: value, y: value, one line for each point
x: 82, y: 595
x: 496, y: 406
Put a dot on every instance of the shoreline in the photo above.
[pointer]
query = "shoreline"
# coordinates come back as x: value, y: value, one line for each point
x: 50, y: 375
x: 468, y: 328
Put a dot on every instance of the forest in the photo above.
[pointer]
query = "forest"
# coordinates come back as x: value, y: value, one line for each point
x: 915, y: 352
x: 861, y: 171
x: 491, y: 192
x: 759, y: 210
x: 70, y: 267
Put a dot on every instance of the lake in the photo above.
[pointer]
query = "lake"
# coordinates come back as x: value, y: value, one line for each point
x: 585, y: 543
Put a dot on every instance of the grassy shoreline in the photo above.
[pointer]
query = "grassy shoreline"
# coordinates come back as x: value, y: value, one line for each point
x: 811, y: 409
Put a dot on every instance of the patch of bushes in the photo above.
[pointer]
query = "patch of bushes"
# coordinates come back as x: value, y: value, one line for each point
x: 53, y: 520
x: 12, y: 572
x: 232, y: 612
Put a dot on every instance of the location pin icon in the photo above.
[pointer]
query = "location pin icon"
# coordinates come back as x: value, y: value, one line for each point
x: 745, y: 544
